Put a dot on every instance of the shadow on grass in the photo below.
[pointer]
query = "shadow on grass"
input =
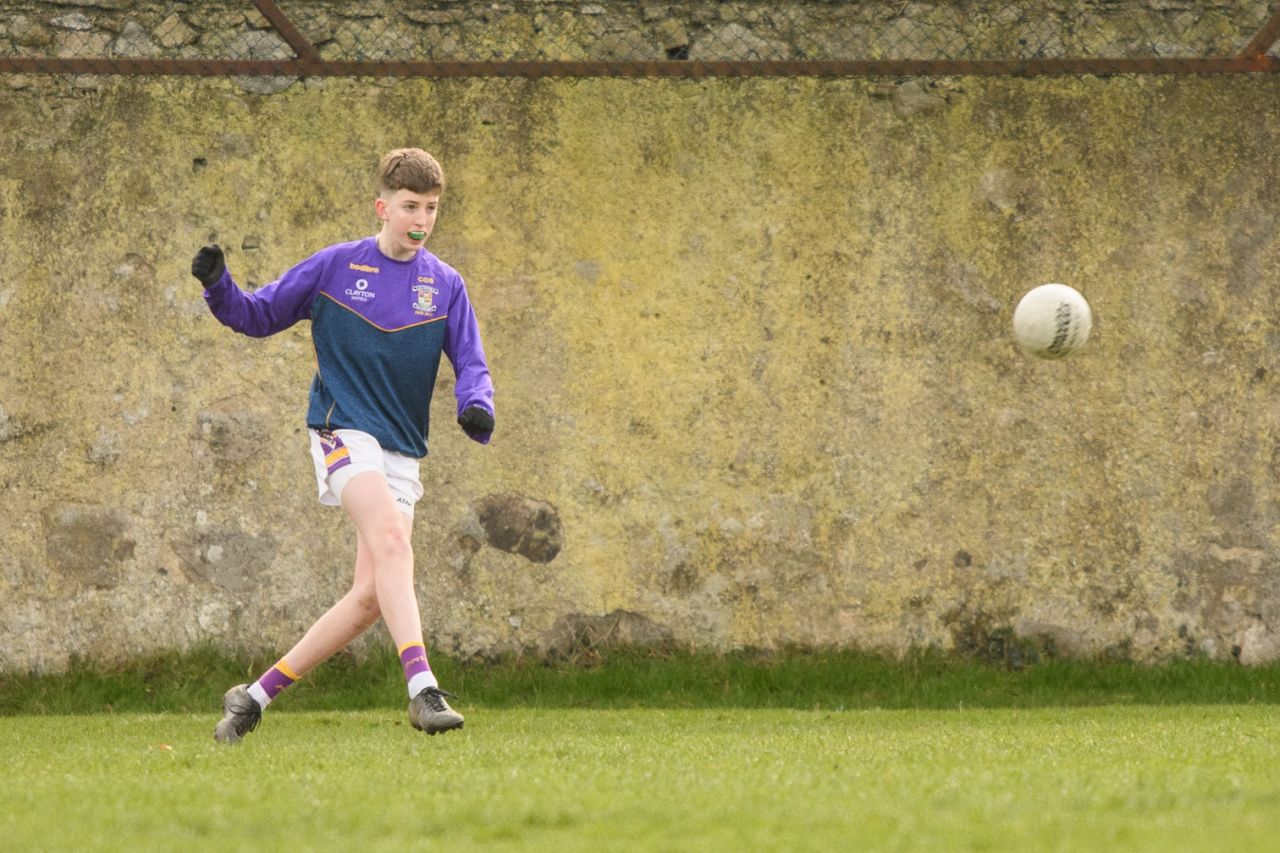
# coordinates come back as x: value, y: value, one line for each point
x: 193, y: 682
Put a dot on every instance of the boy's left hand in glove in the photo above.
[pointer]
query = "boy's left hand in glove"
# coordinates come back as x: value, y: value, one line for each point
x: 475, y: 422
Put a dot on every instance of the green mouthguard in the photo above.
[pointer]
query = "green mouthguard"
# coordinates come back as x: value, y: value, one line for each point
x: 417, y: 235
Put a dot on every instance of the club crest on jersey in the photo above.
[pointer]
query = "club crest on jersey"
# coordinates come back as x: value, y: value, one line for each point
x: 424, y: 298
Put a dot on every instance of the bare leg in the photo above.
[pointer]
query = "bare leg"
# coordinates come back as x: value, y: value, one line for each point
x: 382, y: 585
x: 385, y: 532
x: 351, y: 616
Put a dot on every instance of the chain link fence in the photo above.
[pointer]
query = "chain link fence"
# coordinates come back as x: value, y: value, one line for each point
x: 692, y: 38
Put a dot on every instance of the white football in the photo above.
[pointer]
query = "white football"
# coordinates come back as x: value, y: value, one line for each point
x: 1052, y: 320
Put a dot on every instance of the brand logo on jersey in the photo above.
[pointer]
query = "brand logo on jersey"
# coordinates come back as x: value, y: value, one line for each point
x: 424, y: 298
x: 361, y: 292
x: 362, y: 268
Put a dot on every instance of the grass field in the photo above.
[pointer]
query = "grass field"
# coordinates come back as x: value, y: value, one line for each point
x: 659, y: 754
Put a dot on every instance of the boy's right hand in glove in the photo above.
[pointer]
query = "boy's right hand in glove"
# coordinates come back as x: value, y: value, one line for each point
x: 209, y: 265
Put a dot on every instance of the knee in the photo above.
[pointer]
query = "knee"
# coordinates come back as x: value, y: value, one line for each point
x: 392, y: 544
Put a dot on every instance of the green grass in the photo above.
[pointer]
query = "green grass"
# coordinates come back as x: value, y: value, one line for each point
x: 641, y: 751
x: 194, y: 682
x: 1171, y: 778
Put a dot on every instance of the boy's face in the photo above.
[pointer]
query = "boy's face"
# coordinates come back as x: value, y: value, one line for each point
x: 405, y: 212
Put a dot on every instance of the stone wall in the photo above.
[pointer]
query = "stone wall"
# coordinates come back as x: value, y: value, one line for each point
x: 755, y: 384
x: 685, y: 30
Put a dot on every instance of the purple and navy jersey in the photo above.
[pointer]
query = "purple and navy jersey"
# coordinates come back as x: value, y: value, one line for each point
x: 379, y: 328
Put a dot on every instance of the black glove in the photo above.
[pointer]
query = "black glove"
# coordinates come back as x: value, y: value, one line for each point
x: 208, y: 265
x: 475, y: 422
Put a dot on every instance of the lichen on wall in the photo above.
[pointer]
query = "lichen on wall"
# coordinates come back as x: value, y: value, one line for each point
x: 755, y: 383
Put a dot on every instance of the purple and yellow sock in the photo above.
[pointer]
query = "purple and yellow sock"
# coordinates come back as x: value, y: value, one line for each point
x: 417, y: 671
x: 272, y: 683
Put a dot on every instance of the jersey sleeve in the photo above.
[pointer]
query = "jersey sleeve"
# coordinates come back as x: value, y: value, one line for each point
x: 273, y: 307
x: 462, y: 346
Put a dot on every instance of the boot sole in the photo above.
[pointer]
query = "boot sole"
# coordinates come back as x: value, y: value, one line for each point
x: 434, y: 730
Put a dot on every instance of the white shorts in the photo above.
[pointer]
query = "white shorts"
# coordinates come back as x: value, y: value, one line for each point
x: 341, y: 454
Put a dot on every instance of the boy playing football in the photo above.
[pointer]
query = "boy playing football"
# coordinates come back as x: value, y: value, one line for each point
x: 382, y: 311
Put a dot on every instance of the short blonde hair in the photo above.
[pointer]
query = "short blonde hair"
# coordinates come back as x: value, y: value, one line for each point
x: 409, y: 169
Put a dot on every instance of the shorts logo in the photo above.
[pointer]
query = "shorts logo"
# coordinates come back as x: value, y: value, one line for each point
x: 336, y: 454
x: 361, y: 292
x: 424, y: 298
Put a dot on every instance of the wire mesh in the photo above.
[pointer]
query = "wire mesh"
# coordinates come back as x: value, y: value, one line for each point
x: 291, y: 38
